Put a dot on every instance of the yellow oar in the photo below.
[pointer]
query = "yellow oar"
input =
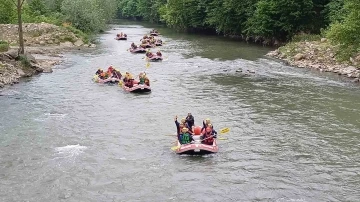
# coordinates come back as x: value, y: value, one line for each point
x: 224, y: 130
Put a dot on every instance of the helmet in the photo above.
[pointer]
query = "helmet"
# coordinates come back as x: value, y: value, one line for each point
x: 183, y: 120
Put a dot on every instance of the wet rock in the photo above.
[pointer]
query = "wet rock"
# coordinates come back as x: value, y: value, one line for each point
x: 238, y: 70
x: 20, y: 72
x: 12, y: 54
x: 42, y: 43
x: 79, y: 43
x: 323, y: 40
x: 1, y: 85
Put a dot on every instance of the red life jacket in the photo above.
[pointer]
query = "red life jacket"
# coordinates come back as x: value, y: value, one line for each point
x: 208, y: 138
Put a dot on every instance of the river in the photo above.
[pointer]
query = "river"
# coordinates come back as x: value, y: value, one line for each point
x: 294, y: 133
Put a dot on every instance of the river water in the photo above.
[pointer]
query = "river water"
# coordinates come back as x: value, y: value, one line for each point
x: 294, y: 132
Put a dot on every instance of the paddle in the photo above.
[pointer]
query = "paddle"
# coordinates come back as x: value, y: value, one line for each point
x: 222, y: 131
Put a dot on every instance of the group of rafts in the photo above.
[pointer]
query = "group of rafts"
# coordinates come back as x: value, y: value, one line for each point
x: 128, y: 83
x: 196, y: 140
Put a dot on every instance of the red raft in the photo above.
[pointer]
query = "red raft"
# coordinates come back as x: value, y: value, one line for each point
x: 155, y: 58
x: 197, y: 148
x: 137, y: 88
x: 121, y: 38
x: 137, y: 50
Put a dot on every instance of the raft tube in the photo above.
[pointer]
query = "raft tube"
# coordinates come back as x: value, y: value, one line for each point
x: 137, y: 88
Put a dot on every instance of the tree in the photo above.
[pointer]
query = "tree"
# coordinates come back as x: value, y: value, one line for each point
x: 19, y: 5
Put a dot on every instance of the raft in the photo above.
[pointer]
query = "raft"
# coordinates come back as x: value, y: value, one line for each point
x: 137, y: 88
x: 154, y: 34
x: 197, y: 148
x: 121, y: 38
x: 96, y: 79
x: 137, y: 50
x: 147, y: 45
x: 155, y: 58
x: 158, y: 44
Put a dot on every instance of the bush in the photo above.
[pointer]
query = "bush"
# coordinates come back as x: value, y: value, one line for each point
x: 4, y: 46
x: 24, y: 61
x: 346, y: 34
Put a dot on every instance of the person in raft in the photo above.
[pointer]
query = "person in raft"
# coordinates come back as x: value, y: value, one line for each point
x: 128, y: 80
x: 190, y: 120
x: 141, y: 78
x: 147, y: 80
x: 99, y: 71
x: 158, y: 53
x: 149, y: 54
x: 206, y: 123
x: 208, y: 135
x: 179, y: 126
x: 133, y: 46
x: 185, y: 137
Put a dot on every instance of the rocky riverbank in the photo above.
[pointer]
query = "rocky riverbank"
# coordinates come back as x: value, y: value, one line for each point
x: 318, y: 55
x: 42, y: 40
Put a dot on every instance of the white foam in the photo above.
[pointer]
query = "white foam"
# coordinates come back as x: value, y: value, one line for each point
x: 71, y: 150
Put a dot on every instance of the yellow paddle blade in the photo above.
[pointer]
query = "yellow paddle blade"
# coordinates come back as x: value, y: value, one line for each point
x: 148, y: 64
x: 120, y: 83
x: 224, y: 130
x: 221, y: 138
x: 174, y: 148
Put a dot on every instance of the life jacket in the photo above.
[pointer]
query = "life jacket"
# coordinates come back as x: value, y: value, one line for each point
x: 147, y: 81
x: 208, y: 137
x: 185, y: 138
x: 142, y: 80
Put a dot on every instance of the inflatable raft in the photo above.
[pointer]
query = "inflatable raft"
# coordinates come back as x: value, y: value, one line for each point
x: 137, y: 88
x: 196, y: 148
x: 137, y: 50
x: 155, y: 58
x: 121, y: 38
x: 96, y: 79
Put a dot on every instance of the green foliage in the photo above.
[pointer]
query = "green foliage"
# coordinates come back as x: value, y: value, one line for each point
x: 24, y: 61
x: 88, y: 15
x: 280, y: 18
x: 7, y: 12
x: 335, y: 11
x: 4, y: 46
x: 38, y: 7
x: 184, y: 14
x: 346, y: 34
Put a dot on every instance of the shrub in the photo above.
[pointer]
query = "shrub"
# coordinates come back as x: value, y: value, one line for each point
x: 4, y: 46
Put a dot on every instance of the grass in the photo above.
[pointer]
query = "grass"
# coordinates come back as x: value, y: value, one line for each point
x: 24, y: 61
x: 4, y: 46
x: 79, y: 34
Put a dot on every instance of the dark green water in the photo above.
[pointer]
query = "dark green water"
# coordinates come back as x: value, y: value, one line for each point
x: 294, y: 133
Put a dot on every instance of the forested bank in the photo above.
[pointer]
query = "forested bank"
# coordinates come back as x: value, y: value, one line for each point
x: 267, y: 22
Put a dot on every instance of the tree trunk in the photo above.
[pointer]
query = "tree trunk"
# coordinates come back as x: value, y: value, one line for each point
x: 21, y: 37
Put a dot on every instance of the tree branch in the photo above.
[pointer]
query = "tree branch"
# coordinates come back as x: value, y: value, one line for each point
x: 22, y: 3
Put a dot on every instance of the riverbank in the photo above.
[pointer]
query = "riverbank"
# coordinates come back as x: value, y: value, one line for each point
x: 44, y: 45
x: 319, y: 55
